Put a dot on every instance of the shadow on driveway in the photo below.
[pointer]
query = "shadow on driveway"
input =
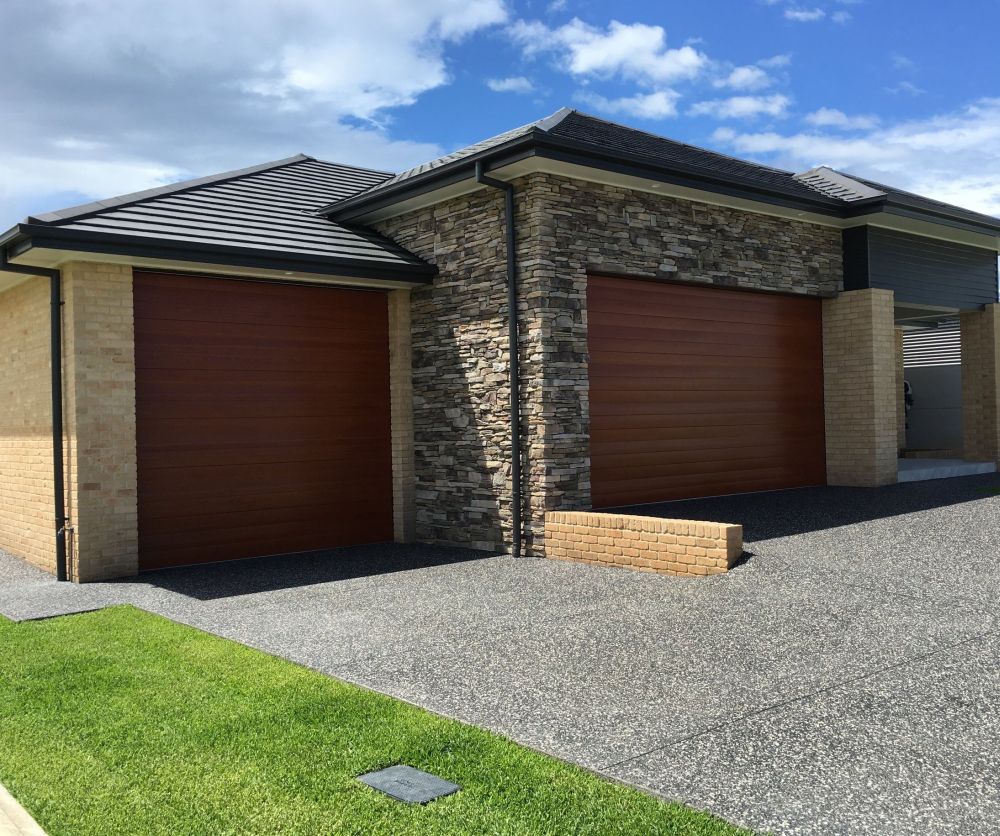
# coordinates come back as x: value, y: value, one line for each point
x: 765, y: 516
x: 210, y: 581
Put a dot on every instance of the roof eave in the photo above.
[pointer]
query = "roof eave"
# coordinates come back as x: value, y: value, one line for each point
x: 52, y: 237
x: 538, y: 143
x: 12, y: 234
x: 895, y: 207
x: 584, y: 153
x: 433, y: 178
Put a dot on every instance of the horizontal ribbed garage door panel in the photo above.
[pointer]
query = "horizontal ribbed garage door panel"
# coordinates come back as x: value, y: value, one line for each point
x: 262, y: 418
x: 193, y: 299
x: 698, y: 391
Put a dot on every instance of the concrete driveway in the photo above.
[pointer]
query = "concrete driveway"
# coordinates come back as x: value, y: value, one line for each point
x: 844, y: 679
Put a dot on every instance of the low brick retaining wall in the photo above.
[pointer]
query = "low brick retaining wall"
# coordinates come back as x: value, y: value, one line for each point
x: 648, y: 544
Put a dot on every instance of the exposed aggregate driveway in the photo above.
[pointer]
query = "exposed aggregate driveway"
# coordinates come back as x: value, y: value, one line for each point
x: 844, y: 679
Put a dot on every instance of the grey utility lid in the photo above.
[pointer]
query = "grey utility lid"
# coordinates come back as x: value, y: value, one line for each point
x: 265, y: 213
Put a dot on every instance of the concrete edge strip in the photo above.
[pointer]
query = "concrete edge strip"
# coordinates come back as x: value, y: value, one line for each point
x: 14, y: 819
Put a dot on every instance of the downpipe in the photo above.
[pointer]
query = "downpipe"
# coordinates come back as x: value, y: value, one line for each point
x: 515, y: 361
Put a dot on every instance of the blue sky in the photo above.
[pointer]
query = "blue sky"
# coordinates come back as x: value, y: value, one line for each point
x: 107, y: 96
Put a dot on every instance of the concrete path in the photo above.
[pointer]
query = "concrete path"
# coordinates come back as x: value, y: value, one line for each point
x: 844, y: 679
x: 14, y: 819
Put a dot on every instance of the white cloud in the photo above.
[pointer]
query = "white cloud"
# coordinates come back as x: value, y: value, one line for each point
x: 954, y: 157
x: 634, y: 51
x: 907, y: 87
x: 745, y: 78
x: 804, y: 15
x: 104, y: 96
x: 827, y: 117
x: 776, y: 61
x: 742, y: 107
x: 901, y: 62
x: 514, y: 84
x: 840, y: 17
x: 657, y: 105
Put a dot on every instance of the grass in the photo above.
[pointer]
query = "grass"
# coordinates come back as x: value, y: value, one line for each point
x: 120, y: 722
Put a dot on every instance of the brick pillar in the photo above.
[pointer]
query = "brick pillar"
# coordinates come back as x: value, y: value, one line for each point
x: 859, y: 368
x: 401, y: 397
x: 981, y: 383
x: 900, y: 393
x: 99, y: 358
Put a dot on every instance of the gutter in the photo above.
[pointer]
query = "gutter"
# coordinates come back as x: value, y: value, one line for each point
x: 541, y: 144
x: 515, y: 360
x: 40, y: 236
x: 55, y: 348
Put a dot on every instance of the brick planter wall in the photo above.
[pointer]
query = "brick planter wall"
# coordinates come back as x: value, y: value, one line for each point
x: 646, y: 544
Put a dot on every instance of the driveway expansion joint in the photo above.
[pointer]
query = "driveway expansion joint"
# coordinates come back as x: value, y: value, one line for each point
x: 801, y: 698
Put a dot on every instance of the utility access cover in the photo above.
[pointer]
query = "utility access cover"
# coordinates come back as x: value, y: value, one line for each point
x: 404, y: 783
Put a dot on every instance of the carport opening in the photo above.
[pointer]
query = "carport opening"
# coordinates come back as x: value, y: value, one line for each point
x: 932, y: 444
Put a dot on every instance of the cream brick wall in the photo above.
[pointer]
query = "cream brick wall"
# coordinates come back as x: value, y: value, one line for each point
x: 401, y: 404
x: 99, y: 341
x: 646, y: 544
x: 981, y: 384
x: 27, y: 521
x: 859, y: 361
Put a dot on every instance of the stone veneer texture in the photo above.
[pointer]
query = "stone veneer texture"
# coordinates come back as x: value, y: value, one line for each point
x: 566, y: 228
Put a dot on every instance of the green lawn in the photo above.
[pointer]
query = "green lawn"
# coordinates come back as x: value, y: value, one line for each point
x: 120, y: 722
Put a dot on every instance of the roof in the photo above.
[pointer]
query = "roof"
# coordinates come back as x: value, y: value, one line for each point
x: 835, y: 184
x: 904, y: 198
x: 571, y: 135
x: 620, y: 138
x: 265, y: 211
x: 545, y: 124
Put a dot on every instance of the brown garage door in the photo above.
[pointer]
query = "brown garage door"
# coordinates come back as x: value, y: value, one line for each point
x: 262, y: 416
x: 699, y: 391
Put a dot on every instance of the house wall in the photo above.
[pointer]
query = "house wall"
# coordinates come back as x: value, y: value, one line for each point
x: 566, y: 228
x: 99, y: 371
x: 26, y: 503
x: 922, y: 271
x: 981, y: 384
x: 861, y: 386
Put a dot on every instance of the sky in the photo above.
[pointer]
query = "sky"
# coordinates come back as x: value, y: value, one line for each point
x: 103, y: 97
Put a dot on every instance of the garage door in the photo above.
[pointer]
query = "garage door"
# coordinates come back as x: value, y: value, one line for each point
x: 262, y: 419
x: 699, y: 391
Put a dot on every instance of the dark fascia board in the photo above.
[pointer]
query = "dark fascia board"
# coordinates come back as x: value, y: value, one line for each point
x: 540, y: 144
x: 889, y: 206
x: 50, y: 237
x: 434, y: 178
x: 678, y: 174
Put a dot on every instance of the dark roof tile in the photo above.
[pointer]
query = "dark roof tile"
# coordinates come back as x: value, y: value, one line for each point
x: 270, y: 207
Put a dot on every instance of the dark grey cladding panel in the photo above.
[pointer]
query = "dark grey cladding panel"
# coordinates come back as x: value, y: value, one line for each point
x: 920, y: 271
